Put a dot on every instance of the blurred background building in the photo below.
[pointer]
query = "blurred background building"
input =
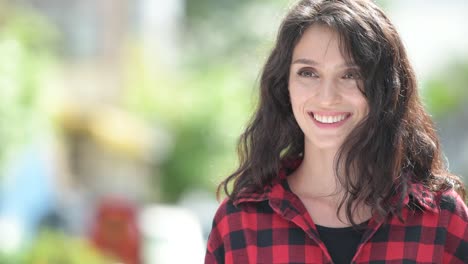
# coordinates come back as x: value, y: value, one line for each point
x: 118, y: 118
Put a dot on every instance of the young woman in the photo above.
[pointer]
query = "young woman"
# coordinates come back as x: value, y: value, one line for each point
x: 341, y: 163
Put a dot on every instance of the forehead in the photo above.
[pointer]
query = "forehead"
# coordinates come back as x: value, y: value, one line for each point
x: 321, y: 44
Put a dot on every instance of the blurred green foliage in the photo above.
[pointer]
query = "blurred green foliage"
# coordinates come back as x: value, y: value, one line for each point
x: 447, y: 91
x: 445, y: 95
x: 205, y: 100
x: 53, y: 247
x: 229, y: 30
x: 26, y: 45
x: 203, y: 111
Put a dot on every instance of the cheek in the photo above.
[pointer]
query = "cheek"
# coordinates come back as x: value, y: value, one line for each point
x: 298, y: 106
x: 362, y: 105
x: 298, y: 92
x: 357, y: 100
x: 297, y: 99
x: 362, y: 101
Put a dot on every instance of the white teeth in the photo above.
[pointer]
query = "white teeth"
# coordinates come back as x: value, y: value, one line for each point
x: 329, y: 119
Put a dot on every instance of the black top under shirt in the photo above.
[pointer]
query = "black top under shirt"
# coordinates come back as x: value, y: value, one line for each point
x: 341, y: 242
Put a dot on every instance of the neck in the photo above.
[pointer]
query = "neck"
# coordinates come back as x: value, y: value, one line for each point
x: 316, y: 184
x: 316, y: 176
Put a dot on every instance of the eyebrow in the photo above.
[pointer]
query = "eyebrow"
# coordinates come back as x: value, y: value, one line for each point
x: 314, y: 63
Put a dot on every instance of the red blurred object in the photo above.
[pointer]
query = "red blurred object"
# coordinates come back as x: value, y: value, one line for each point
x: 115, y: 232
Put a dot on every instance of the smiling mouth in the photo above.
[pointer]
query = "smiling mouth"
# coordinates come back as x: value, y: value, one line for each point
x: 329, y: 119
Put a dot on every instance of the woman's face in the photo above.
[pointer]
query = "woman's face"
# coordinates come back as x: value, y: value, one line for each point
x: 325, y: 89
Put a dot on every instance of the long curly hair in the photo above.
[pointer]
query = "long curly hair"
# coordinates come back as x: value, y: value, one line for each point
x: 395, y: 144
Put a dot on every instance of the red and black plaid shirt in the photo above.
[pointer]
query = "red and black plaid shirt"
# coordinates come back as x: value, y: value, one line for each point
x: 274, y: 227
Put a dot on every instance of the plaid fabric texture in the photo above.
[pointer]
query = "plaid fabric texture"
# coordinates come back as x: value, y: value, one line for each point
x: 274, y: 227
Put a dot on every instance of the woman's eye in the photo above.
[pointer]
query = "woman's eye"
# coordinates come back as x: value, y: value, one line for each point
x: 307, y: 73
x: 352, y: 75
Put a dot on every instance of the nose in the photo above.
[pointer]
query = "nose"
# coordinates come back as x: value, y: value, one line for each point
x: 328, y: 93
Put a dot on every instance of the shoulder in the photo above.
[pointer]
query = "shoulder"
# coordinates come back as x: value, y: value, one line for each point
x: 226, y: 208
x: 453, y: 219
x: 228, y: 218
x: 453, y: 213
x: 442, y: 218
x: 442, y: 209
x: 215, y: 250
x: 446, y: 202
x: 231, y: 214
x: 227, y: 233
x: 451, y: 203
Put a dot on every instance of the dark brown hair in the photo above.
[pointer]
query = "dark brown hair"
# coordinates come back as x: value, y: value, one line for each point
x: 396, y: 143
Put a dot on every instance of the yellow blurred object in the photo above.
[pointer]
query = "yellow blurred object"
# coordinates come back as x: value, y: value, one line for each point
x: 122, y: 132
x: 72, y: 119
x: 111, y: 128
